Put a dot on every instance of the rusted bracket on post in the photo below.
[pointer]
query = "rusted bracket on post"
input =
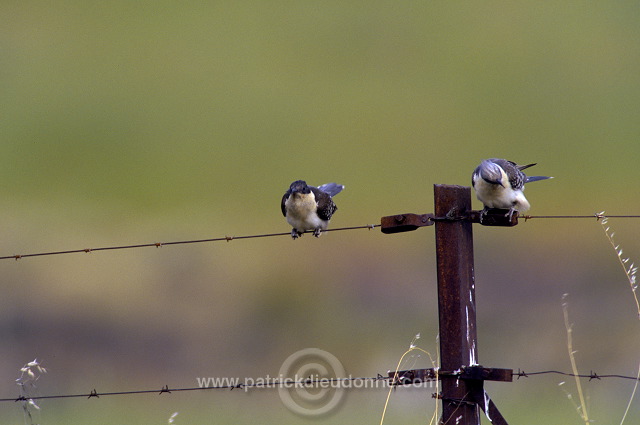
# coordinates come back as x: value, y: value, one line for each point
x: 478, y: 373
x: 406, y: 222
x: 494, y: 217
x: 475, y: 375
x: 413, y: 376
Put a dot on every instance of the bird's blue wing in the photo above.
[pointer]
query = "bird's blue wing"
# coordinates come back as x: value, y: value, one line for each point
x: 331, y: 188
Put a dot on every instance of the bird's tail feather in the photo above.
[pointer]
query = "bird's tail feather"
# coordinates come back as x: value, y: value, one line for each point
x: 523, y: 167
x: 536, y: 178
x: 331, y: 188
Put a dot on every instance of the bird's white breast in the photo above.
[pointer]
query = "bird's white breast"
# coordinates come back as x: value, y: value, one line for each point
x: 302, y: 212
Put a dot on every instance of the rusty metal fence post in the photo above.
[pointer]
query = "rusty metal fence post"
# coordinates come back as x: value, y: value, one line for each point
x: 456, y: 301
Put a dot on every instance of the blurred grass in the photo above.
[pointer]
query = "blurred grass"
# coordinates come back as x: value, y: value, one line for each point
x: 135, y: 122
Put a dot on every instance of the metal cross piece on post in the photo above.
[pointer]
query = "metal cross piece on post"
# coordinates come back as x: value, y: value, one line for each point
x: 463, y: 396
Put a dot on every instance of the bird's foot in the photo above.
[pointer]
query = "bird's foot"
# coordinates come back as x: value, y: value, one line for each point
x: 483, y: 213
x: 295, y: 234
x: 510, y: 213
x: 317, y: 233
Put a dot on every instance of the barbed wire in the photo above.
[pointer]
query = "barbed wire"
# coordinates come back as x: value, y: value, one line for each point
x: 278, y: 383
x: 270, y: 383
x: 597, y: 216
x: 591, y: 376
x: 184, y: 242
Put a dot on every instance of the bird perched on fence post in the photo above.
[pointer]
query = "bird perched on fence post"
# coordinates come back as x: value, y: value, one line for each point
x: 309, y: 208
x: 499, y: 184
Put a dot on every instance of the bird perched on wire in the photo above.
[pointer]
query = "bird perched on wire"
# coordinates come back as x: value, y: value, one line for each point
x: 499, y: 184
x: 309, y: 208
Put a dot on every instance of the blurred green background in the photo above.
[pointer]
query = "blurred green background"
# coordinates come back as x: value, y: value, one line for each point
x: 135, y: 122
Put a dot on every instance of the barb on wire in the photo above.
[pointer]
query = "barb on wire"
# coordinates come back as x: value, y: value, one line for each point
x: 161, y: 244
